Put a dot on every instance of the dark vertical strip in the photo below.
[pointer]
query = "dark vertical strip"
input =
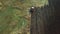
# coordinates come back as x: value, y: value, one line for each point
x: 33, y: 23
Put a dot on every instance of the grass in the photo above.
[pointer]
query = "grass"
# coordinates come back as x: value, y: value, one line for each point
x: 12, y: 16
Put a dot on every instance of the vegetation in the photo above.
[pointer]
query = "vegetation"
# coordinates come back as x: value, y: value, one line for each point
x: 15, y: 17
